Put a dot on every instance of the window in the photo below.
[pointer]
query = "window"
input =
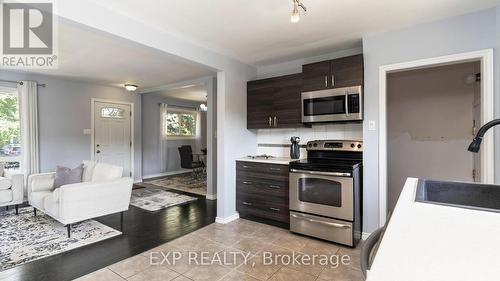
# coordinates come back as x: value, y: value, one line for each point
x: 181, y: 123
x: 10, y: 128
x: 112, y: 112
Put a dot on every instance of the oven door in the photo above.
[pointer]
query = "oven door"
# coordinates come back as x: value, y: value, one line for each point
x: 322, y: 193
x: 342, y: 104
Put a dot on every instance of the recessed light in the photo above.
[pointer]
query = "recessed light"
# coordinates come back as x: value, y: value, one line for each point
x: 130, y: 87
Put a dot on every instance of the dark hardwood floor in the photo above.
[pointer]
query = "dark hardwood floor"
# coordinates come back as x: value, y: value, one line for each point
x: 142, y: 231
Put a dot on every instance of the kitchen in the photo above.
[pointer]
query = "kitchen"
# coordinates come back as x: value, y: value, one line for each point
x: 321, y: 194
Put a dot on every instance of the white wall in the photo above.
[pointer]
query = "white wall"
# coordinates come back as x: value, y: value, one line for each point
x: 64, y: 112
x: 470, y: 32
x: 429, y: 125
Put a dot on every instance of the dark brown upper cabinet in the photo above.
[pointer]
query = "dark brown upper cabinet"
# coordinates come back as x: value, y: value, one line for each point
x: 316, y: 76
x: 337, y: 73
x: 274, y: 102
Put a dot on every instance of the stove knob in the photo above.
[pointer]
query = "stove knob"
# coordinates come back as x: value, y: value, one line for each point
x: 315, y: 144
x: 353, y: 145
x: 310, y: 145
x: 359, y: 146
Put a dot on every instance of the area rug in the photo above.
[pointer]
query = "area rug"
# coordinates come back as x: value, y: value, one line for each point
x: 25, y: 237
x: 184, y: 182
x: 154, y: 199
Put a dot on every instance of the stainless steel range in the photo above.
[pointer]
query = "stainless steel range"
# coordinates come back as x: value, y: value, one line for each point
x: 325, y: 191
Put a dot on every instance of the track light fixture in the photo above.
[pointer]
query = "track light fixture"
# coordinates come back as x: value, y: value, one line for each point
x: 295, y: 13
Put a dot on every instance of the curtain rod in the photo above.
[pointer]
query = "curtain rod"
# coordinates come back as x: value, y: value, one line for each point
x: 21, y: 82
x: 179, y: 106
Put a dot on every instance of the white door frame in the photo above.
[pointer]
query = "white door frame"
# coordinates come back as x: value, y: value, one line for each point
x: 487, y: 113
x: 92, y: 128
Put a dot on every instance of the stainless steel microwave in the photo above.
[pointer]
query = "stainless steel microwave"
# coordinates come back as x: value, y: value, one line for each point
x: 332, y: 105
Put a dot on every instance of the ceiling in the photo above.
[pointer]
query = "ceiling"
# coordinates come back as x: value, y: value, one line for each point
x: 259, y: 32
x: 91, y: 56
x: 196, y: 93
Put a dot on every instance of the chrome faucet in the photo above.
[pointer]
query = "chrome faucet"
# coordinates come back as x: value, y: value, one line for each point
x: 476, y: 142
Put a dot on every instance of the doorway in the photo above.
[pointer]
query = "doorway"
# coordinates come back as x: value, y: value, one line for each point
x: 485, y: 57
x: 432, y: 116
x: 112, y: 141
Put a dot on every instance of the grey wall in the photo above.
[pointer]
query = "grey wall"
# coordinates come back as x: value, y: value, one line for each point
x: 64, y: 112
x: 151, y: 135
x: 464, y: 33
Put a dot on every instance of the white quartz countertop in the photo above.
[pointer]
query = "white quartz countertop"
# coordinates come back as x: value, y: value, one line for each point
x: 274, y: 160
x: 428, y: 242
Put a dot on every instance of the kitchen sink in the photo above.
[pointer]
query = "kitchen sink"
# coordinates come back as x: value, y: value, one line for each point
x: 459, y: 194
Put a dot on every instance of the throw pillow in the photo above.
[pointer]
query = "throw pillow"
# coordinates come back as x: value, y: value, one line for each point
x: 65, y: 175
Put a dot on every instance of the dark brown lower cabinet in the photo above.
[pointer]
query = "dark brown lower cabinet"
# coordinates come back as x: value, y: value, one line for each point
x: 262, y: 190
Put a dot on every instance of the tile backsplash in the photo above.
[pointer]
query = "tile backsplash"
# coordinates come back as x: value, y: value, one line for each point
x: 267, y: 139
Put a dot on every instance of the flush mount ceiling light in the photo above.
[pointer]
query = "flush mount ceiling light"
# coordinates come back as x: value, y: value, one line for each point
x: 295, y: 13
x: 130, y: 87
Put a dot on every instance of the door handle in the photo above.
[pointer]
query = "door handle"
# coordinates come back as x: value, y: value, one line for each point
x: 346, y: 103
x: 270, y: 121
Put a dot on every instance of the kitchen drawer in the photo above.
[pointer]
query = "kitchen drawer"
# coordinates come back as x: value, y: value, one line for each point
x: 262, y: 169
x: 253, y: 205
x: 262, y: 186
x: 320, y: 227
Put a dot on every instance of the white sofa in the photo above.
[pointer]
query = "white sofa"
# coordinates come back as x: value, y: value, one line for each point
x: 11, y: 189
x: 103, y: 191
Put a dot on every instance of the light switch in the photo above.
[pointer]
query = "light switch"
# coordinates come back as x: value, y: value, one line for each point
x: 86, y: 131
x: 372, y: 126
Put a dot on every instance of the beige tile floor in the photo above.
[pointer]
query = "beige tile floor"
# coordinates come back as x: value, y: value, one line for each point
x: 242, y: 236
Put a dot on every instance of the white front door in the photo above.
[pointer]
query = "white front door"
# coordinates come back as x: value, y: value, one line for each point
x: 112, y: 134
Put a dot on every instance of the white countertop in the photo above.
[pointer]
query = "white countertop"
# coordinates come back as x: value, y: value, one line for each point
x: 274, y: 160
x: 427, y: 242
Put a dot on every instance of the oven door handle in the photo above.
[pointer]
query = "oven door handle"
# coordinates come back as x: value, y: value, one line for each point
x: 336, y: 174
x: 337, y: 225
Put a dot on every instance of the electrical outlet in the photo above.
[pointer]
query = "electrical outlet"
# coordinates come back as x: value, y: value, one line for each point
x: 372, y: 126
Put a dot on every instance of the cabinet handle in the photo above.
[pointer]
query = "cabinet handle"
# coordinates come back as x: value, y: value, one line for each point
x: 246, y: 203
x: 275, y: 186
x: 247, y: 167
x: 326, y: 81
x: 275, y: 121
x: 247, y: 182
x: 333, y: 80
x: 275, y: 209
x: 274, y: 169
x: 270, y: 121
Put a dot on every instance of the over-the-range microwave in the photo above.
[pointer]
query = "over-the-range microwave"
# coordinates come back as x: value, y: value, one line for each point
x: 333, y: 105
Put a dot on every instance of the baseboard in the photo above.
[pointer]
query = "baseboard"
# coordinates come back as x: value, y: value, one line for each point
x: 365, y: 235
x: 211, y: 196
x: 227, y: 219
x: 166, y: 174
